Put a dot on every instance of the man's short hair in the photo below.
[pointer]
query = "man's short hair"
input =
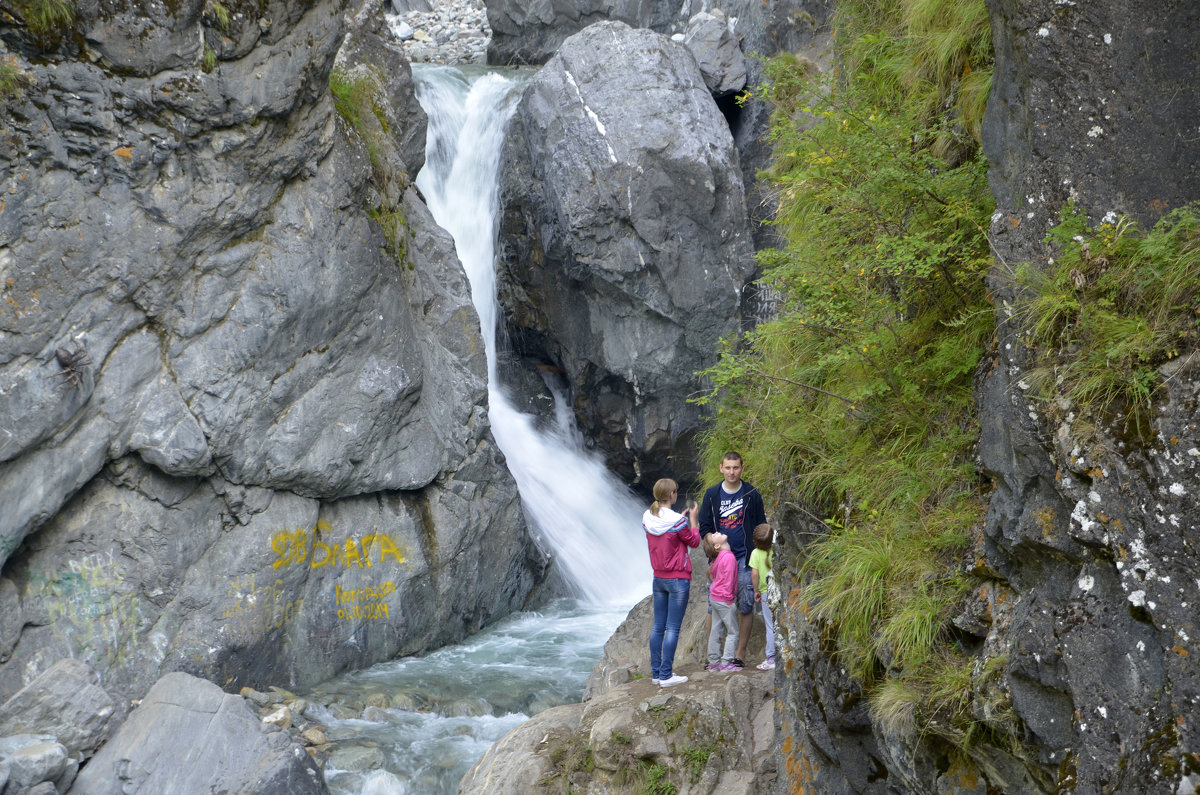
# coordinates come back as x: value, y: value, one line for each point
x: 732, y: 455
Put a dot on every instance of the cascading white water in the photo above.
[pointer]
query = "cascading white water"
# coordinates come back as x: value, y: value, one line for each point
x: 590, y: 520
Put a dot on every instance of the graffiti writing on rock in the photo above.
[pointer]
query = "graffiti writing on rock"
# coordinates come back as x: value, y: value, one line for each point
x: 363, y: 604
x: 255, y: 608
x: 90, y: 607
x: 296, y: 547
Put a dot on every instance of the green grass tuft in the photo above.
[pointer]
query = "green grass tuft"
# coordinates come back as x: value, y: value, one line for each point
x: 1116, y: 304
x: 47, y: 16
x: 13, y: 80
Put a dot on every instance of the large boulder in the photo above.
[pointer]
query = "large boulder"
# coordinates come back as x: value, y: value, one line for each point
x: 624, y: 238
x: 245, y: 426
x: 189, y: 736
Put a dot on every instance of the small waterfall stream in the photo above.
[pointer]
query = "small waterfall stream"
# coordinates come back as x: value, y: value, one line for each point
x: 582, y: 512
x: 446, y: 708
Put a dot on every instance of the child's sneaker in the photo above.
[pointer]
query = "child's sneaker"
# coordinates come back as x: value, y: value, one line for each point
x: 767, y: 664
x: 730, y: 667
x: 737, y: 665
x: 712, y: 666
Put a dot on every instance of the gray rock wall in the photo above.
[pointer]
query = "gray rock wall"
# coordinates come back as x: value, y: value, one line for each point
x: 272, y: 462
x: 624, y: 240
x: 531, y: 31
x: 1095, y: 537
x: 1088, y: 558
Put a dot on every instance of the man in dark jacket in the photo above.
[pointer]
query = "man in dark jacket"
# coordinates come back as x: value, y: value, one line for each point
x: 735, y: 508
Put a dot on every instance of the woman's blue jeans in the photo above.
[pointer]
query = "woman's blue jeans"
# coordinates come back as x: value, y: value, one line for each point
x: 670, y: 602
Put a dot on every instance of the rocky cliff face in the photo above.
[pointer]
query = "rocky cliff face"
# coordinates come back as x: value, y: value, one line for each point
x: 262, y: 445
x: 531, y: 31
x: 1089, y: 555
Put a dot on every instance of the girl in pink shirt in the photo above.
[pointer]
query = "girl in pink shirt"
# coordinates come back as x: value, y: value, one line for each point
x: 722, y: 593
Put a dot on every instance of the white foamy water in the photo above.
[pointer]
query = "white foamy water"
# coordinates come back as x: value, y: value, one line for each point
x: 448, y: 707
x: 590, y: 521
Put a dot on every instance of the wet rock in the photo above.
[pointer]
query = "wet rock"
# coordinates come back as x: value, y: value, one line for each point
x: 188, y: 736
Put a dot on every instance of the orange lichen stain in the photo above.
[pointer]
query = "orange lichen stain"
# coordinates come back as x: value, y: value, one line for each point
x: 1096, y: 473
x: 1014, y: 221
x: 1045, y: 521
x: 800, y: 769
x: 963, y: 777
x: 1058, y: 475
x: 788, y: 665
x: 1182, y: 652
x: 1174, y: 439
x: 125, y: 152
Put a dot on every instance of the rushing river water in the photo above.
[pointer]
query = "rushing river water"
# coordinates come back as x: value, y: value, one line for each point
x: 443, y: 710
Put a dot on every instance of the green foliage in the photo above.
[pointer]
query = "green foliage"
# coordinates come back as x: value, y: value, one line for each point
x: 47, y: 16
x: 655, y: 779
x: 219, y: 12
x: 936, y: 54
x: 356, y: 98
x: 208, y: 62
x: 697, y: 759
x: 569, y: 759
x: 352, y: 95
x: 13, y: 80
x: 857, y: 396
x: 673, y: 722
x: 1115, y: 304
x: 395, y: 233
x: 621, y: 739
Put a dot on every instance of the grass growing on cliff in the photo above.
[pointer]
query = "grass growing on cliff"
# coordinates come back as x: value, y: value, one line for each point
x: 356, y: 97
x: 47, y: 16
x: 1116, y: 303
x: 856, y: 400
x: 13, y: 80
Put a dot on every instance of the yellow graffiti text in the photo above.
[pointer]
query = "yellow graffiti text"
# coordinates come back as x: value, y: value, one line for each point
x: 294, y: 547
x: 363, y: 604
x: 257, y: 609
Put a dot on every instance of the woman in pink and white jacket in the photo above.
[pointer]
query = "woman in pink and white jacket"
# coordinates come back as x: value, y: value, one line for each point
x: 669, y: 535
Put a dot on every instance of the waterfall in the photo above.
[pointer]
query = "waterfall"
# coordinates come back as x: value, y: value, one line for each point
x: 590, y: 520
